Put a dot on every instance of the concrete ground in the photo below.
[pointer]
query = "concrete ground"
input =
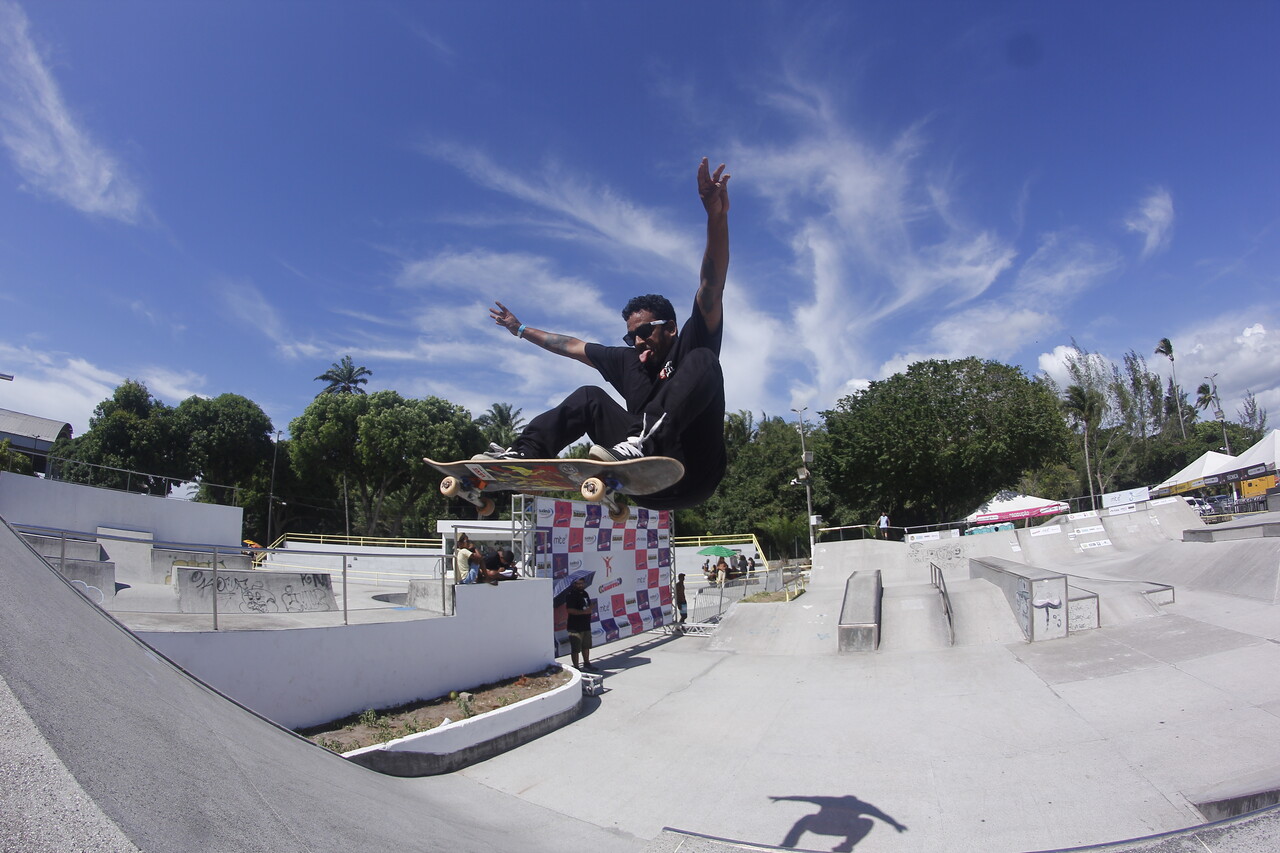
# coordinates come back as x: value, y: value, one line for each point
x: 761, y: 733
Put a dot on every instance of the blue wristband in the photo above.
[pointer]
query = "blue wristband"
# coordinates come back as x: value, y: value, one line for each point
x: 520, y: 331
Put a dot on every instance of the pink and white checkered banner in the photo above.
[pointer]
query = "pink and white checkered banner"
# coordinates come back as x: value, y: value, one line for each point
x: 628, y: 565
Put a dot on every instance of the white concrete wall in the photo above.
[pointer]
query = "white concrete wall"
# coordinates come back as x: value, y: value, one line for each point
x: 71, y: 506
x: 307, y: 676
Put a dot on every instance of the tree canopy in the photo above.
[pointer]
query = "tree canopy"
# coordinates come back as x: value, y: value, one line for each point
x: 932, y: 443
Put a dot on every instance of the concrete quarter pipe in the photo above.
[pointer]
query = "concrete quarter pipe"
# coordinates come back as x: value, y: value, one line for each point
x: 139, y: 750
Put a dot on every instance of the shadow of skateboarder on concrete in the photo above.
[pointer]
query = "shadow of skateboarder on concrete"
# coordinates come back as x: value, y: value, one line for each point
x: 836, y: 816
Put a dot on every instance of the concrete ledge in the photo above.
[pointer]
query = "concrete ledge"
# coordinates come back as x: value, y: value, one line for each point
x: 859, y: 627
x: 1238, y: 796
x: 1260, y: 530
x: 254, y: 592
x: 460, y: 744
x: 1038, y: 597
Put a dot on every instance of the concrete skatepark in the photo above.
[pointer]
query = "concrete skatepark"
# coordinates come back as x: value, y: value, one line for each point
x: 759, y: 735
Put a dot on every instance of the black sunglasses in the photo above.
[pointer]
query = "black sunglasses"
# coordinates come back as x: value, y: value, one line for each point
x: 643, y: 332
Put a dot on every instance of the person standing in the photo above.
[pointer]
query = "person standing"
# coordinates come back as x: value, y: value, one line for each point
x: 682, y: 604
x: 883, y: 525
x: 578, y: 607
x: 462, y: 558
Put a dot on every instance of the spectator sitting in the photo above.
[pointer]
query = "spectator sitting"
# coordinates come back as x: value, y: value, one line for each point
x: 498, y: 566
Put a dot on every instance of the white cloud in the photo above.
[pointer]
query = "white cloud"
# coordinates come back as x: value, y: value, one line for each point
x: 585, y: 210
x: 248, y: 306
x: 52, y: 153
x: 1153, y: 220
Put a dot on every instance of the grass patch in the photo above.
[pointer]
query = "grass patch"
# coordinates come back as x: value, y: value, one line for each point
x: 379, y: 726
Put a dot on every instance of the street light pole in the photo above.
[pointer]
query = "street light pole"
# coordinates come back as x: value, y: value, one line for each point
x: 1217, y: 413
x: 806, y: 476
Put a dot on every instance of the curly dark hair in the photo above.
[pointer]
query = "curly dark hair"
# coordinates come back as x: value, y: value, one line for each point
x: 657, y: 305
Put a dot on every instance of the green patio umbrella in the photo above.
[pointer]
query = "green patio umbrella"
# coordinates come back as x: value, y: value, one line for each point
x: 718, y: 551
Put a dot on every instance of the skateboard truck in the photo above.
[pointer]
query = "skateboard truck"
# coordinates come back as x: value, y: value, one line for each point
x: 593, y: 489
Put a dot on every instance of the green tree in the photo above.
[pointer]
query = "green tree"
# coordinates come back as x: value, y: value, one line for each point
x: 13, y: 461
x: 1084, y: 408
x: 344, y: 377
x: 1165, y: 348
x: 229, y: 440
x: 1252, y: 417
x: 137, y: 436
x: 375, y: 444
x: 930, y: 444
x: 501, y: 424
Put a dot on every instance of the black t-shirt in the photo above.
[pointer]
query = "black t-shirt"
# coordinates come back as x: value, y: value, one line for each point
x: 702, y: 437
x: 577, y: 599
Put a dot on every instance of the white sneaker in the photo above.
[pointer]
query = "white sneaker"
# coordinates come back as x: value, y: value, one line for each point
x: 629, y: 448
x: 496, y: 452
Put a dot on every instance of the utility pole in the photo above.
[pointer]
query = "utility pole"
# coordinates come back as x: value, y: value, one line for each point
x: 271, y: 497
x: 805, y: 475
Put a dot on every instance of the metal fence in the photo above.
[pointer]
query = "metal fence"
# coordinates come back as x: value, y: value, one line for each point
x: 708, y: 603
x: 342, y: 567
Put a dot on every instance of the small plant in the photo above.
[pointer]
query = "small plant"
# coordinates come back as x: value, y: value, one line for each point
x: 331, y: 745
x: 369, y: 718
x: 463, y: 701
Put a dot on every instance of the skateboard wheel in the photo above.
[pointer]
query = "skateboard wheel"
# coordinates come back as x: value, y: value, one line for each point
x: 450, y: 486
x: 486, y: 508
x: 621, y: 515
x: 593, y: 489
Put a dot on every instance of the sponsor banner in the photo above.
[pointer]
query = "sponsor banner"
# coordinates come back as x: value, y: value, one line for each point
x: 1088, y: 513
x: 1161, y: 502
x: 1046, y: 531
x: 1122, y: 510
x: 1085, y: 531
x: 1097, y: 543
x: 1129, y: 496
x: 630, y: 585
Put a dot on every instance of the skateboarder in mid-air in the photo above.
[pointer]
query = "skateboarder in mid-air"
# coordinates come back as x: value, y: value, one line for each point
x: 670, y: 378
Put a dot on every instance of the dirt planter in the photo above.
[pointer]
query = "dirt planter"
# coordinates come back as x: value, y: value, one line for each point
x: 459, y: 744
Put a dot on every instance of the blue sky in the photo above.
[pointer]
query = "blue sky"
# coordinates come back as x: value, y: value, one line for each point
x: 229, y: 197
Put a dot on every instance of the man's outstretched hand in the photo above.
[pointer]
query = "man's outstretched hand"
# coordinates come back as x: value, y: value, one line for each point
x: 504, y: 317
x: 713, y: 189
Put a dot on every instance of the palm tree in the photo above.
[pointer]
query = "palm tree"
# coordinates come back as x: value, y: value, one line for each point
x: 1084, y: 407
x: 1204, y: 396
x: 501, y: 424
x: 1165, y: 348
x: 344, y: 377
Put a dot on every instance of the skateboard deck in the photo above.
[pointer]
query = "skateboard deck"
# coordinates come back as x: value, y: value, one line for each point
x: 593, y: 479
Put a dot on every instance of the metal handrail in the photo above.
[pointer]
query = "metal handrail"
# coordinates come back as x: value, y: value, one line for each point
x: 938, y: 579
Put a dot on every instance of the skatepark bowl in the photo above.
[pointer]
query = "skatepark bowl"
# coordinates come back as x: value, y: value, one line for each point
x: 1003, y: 716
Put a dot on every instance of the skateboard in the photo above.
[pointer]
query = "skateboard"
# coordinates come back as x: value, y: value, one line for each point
x: 596, y: 481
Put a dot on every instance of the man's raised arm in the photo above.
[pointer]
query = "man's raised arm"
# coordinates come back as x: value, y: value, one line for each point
x: 565, y: 345
x: 713, y: 190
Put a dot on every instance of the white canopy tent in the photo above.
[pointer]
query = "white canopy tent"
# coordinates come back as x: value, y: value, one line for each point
x: 1010, y: 506
x: 1258, y: 461
x: 1193, y: 476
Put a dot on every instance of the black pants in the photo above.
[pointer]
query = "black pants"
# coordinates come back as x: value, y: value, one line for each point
x: 692, y: 400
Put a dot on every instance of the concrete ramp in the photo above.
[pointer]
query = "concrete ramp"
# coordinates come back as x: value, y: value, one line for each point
x: 168, y: 763
x: 913, y: 619
x: 982, y: 615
